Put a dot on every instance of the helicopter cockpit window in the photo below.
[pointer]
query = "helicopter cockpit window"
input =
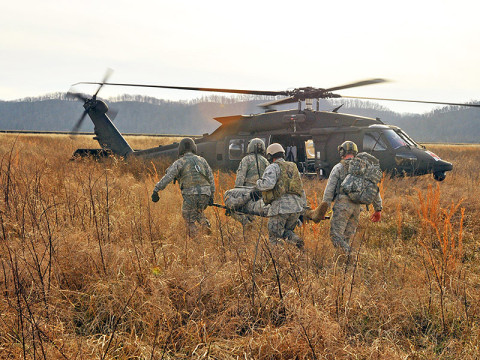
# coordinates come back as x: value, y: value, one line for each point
x: 394, y: 139
x: 236, y: 149
x: 374, y: 142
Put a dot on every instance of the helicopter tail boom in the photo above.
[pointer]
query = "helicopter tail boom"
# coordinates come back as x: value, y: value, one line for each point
x: 106, y: 133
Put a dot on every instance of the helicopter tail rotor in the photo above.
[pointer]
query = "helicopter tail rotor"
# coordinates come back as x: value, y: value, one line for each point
x: 89, y: 103
x: 78, y: 124
x: 78, y: 96
x: 107, y: 75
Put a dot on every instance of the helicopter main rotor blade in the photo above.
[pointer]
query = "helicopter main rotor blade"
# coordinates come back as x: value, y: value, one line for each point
x: 357, y: 84
x: 412, y: 101
x: 288, y: 100
x: 233, y: 91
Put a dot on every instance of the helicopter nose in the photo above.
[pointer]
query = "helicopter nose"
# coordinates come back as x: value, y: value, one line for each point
x: 440, y: 168
x: 443, y: 165
x: 439, y: 165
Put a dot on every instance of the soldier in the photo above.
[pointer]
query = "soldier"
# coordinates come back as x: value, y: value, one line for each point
x: 282, y: 188
x: 196, y: 182
x: 251, y: 168
x: 344, y: 222
x: 253, y: 165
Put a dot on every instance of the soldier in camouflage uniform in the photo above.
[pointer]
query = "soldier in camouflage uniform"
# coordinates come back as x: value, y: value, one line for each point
x: 195, y: 178
x: 251, y: 168
x: 282, y: 188
x: 344, y: 221
x: 253, y: 165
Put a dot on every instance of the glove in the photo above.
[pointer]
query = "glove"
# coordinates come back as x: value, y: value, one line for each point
x: 155, y: 196
x: 255, y: 195
x: 376, y: 216
x: 210, y: 201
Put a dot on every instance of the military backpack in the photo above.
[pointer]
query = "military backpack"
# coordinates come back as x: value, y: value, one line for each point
x: 363, y: 175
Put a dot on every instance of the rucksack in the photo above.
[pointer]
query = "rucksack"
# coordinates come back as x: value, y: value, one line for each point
x: 363, y: 175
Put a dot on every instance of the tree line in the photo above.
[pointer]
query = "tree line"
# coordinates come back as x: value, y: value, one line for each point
x: 143, y: 114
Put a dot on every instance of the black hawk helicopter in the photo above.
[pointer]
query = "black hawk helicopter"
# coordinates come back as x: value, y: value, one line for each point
x: 309, y: 136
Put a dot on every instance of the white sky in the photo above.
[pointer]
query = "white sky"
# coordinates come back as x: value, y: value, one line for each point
x: 430, y: 49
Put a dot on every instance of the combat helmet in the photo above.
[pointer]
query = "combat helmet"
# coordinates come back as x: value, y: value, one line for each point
x: 256, y: 146
x: 347, y: 147
x: 187, y: 145
x: 275, y: 150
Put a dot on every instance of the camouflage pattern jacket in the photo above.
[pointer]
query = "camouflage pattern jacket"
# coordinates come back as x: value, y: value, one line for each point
x: 247, y: 172
x: 192, y: 170
x: 336, y: 177
x: 287, y: 203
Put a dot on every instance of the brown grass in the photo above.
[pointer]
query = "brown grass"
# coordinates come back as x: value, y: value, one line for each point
x: 90, y: 268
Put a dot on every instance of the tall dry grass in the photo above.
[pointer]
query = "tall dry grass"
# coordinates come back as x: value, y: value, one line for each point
x: 90, y: 268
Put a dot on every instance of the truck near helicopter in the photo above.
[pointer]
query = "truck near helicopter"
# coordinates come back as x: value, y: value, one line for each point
x: 310, y: 137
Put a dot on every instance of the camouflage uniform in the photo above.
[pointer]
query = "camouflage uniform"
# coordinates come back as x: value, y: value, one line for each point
x: 346, y: 213
x: 247, y: 172
x: 286, y: 207
x: 247, y: 175
x: 196, y: 182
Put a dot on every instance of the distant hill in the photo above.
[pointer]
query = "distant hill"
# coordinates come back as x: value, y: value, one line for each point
x: 135, y: 114
x: 138, y: 114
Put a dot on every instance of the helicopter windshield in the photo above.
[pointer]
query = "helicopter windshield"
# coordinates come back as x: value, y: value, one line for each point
x: 407, y: 138
x: 394, y: 139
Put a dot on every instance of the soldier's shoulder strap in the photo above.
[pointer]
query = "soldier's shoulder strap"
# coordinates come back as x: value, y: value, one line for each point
x: 201, y: 169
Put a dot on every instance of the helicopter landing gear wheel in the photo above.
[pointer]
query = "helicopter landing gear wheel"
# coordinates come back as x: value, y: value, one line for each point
x: 439, y: 176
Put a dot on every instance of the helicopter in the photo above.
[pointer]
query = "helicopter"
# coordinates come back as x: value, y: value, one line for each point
x: 309, y: 136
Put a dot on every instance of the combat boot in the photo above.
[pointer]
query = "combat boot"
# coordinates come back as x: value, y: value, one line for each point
x: 342, y: 244
x: 317, y: 214
x: 294, y: 239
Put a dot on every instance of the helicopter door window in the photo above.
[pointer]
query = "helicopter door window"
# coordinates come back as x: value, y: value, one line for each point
x: 236, y: 149
x: 373, y: 142
x: 310, y: 149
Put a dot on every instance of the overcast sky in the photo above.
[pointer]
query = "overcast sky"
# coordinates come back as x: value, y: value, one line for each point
x: 429, y: 49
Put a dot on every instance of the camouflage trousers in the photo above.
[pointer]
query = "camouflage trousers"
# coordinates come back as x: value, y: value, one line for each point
x: 344, y: 222
x: 192, y: 212
x: 245, y: 220
x: 252, y: 207
x: 281, y: 226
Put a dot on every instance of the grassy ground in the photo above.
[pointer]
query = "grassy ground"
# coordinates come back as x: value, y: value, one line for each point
x: 90, y: 268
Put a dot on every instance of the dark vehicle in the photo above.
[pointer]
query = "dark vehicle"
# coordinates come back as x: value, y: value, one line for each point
x: 310, y: 137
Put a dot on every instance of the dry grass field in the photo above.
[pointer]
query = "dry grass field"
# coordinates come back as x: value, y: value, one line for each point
x: 90, y: 268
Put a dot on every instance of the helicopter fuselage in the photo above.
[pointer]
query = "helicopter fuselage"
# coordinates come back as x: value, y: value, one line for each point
x: 309, y: 137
